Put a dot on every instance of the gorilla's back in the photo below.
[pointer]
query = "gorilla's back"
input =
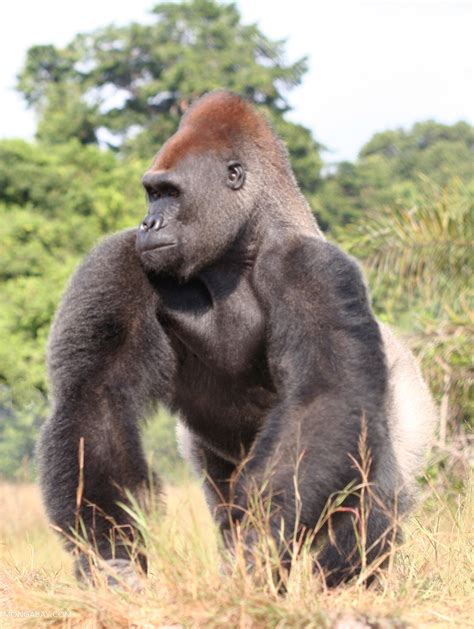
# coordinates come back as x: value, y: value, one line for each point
x: 412, y: 413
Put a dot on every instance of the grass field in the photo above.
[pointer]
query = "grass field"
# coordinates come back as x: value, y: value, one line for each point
x: 429, y: 585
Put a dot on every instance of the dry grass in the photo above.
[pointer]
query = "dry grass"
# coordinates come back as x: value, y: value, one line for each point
x: 430, y: 584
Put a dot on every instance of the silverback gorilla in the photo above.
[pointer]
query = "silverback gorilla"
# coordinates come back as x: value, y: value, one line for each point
x: 228, y: 306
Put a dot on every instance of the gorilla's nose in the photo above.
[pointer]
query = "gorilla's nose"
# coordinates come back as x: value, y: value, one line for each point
x: 151, y: 222
x: 154, y: 232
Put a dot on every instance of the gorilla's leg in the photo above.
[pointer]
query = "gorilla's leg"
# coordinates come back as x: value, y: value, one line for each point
x: 357, y: 543
x: 314, y: 482
x: 218, y: 487
x: 109, y: 362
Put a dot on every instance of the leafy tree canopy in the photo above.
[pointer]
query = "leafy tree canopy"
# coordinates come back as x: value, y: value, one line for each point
x: 55, y: 204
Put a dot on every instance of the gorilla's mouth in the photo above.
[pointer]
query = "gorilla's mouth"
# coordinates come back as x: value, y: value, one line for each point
x: 157, y: 254
x: 164, y: 245
x: 153, y: 240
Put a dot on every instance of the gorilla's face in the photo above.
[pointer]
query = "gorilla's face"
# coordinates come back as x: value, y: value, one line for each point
x: 196, y: 209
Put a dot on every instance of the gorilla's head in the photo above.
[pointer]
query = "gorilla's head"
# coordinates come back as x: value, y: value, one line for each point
x: 204, y: 184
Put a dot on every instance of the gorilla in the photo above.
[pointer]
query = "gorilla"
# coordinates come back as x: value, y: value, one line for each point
x: 228, y: 306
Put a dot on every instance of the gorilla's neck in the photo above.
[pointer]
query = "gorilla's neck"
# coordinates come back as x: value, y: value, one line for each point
x: 281, y: 212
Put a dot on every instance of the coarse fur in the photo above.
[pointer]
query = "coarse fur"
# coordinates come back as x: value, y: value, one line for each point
x: 228, y: 306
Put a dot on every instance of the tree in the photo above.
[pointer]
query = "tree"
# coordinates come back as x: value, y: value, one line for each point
x: 55, y: 204
x: 391, y: 167
x: 130, y: 85
x: 430, y: 148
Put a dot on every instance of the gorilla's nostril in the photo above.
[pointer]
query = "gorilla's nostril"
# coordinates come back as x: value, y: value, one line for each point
x: 158, y: 223
x: 151, y: 222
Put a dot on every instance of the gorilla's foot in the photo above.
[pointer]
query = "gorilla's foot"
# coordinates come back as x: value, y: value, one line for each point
x: 122, y: 572
x: 116, y: 573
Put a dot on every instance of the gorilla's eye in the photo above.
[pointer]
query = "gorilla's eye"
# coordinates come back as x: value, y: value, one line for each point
x: 162, y: 190
x: 173, y: 192
x: 235, y: 175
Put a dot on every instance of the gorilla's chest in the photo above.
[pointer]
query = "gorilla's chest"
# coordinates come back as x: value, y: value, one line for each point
x: 217, y: 327
x: 216, y: 317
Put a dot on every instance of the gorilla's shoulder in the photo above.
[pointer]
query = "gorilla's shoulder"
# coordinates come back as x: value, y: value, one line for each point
x: 317, y: 258
x: 312, y: 264
x: 114, y: 259
x: 110, y: 272
x: 118, y: 247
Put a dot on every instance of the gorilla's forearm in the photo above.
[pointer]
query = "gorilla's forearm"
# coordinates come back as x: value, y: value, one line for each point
x: 90, y: 452
x: 90, y: 456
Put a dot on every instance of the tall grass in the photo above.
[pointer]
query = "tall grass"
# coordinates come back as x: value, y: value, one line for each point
x: 429, y: 584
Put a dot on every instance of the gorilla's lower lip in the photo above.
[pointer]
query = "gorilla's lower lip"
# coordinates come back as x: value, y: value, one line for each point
x: 164, y: 245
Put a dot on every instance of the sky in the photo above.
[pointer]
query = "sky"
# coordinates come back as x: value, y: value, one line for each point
x: 373, y: 64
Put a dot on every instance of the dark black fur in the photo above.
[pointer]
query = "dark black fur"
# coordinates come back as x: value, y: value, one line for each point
x: 250, y: 325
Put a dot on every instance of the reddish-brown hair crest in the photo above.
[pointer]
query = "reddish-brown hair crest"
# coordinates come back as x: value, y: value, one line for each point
x: 214, y: 122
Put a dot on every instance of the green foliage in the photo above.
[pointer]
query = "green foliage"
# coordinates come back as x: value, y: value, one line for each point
x: 159, y: 442
x: 45, y: 65
x: 65, y: 116
x: 434, y: 149
x: 427, y: 246
x: 390, y: 169
x: 55, y: 204
x: 18, y: 431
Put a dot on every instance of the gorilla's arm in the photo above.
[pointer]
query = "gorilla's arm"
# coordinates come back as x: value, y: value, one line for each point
x: 109, y: 360
x: 325, y: 354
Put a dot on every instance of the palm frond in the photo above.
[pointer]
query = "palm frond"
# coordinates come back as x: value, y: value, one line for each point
x: 427, y: 246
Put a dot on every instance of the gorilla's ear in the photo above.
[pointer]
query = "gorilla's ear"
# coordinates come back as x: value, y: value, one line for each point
x: 235, y: 175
